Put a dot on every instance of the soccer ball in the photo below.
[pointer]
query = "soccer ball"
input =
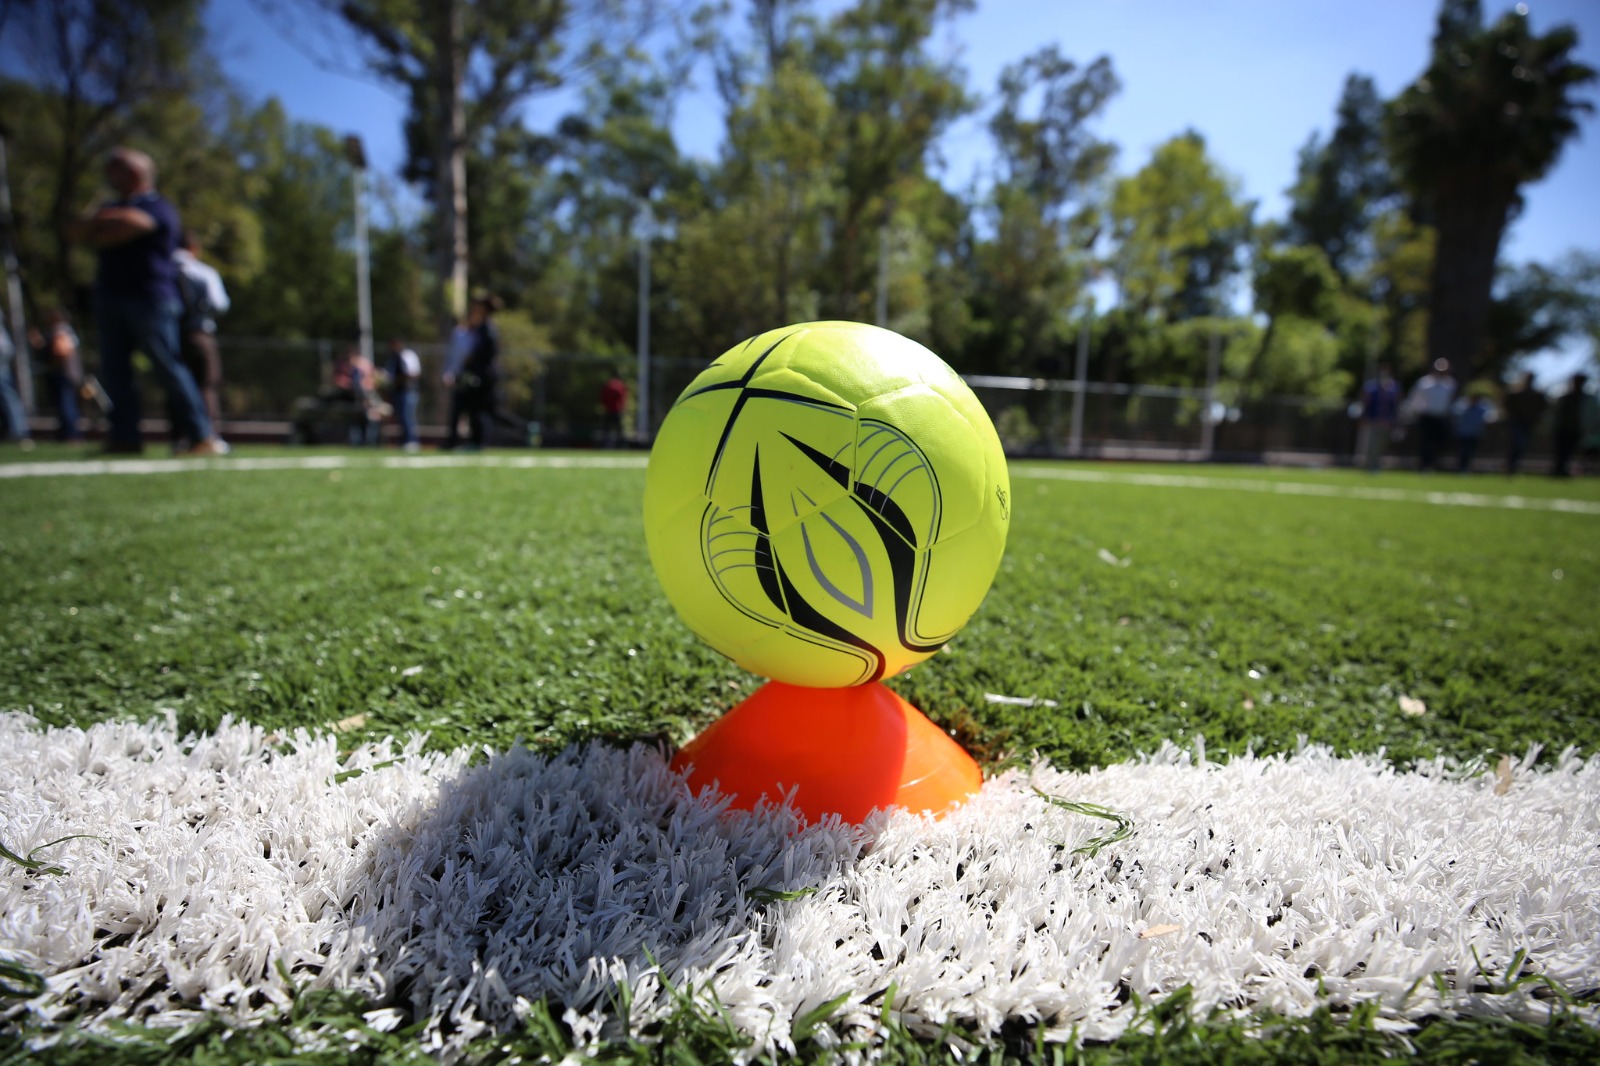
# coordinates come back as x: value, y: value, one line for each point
x: 827, y: 504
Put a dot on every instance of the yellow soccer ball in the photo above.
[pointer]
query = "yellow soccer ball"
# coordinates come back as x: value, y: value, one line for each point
x: 827, y: 504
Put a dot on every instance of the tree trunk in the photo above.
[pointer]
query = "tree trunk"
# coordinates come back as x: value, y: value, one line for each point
x: 1470, y: 220
x: 450, y: 158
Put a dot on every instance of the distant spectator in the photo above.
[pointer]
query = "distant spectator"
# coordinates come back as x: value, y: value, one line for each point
x: 1569, y: 415
x: 613, y: 401
x: 137, y: 303
x: 11, y: 409
x: 1524, y: 407
x: 1472, y: 419
x: 355, y: 383
x: 479, y: 380
x: 58, y: 345
x: 461, y: 340
x: 204, y: 297
x: 1380, y: 410
x: 1430, y: 400
x: 405, y: 375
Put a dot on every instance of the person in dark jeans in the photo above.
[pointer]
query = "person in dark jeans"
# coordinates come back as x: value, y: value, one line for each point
x: 1569, y: 424
x: 137, y: 303
x: 405, y: 375
x: 478, y: 384
x: 64, y: 371
x: 1524, y: 406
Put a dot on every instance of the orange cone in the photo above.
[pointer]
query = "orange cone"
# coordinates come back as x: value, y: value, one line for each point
x: 844, y: 751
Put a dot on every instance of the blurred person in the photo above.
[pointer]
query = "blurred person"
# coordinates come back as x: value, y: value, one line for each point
x: 204, y: 297
x: 1472, y: 419
x: 613, y: 401
x: 1431, y: 400
x: 11, y: 409
x: 405, y: 375
x: 1524, y: 406
x: 1568, y: 429
x: 58, y: 346
x: 354, y: 382
x: 480, y: 372
x: 137, y: 303
x: 461, y: 340
x: 1380, y: 411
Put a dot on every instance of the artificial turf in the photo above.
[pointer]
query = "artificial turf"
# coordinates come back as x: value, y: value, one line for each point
x: 488, y: 604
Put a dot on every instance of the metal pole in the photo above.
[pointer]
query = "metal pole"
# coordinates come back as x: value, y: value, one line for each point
x: 882, y: 315
x: 643, y: 404
x: 363, y: 273
x: 1080, y: 376
x: 1208, y: 422
x: 19, y: 333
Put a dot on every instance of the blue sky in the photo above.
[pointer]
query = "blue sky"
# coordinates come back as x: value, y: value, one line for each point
x: 1256, y: 77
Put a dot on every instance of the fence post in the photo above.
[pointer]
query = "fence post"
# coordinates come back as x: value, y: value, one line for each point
x: 1079, y: 381
x: 1208, y: 422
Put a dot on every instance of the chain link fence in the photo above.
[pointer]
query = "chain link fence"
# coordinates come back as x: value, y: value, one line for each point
x: 557, y: 395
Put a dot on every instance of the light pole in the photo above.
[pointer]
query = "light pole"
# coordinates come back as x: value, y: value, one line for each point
x: 1080, y: 380
x: 643, y: 406
x: 357, y: 156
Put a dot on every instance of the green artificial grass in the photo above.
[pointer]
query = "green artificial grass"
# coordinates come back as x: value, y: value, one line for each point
x: 489, y: 604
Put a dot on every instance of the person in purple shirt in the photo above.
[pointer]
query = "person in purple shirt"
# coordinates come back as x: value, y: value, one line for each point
x: 137, y: 305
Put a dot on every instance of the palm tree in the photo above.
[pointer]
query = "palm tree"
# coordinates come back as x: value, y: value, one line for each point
x: 1491, y: 114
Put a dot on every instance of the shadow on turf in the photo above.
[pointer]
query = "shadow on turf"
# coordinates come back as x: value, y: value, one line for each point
x: 589, y: 879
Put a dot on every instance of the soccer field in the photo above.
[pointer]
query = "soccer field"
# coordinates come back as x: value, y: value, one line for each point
x: 1324, y: 670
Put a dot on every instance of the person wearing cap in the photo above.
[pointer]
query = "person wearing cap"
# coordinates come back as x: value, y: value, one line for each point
x: 137, y: 303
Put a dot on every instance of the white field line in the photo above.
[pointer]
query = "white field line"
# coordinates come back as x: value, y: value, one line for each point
x: 75, y: 468
x: 217, y: 872
x: 1307, y: 488
x: 95, y: 467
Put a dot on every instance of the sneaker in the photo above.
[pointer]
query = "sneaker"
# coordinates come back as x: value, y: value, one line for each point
x: 213, y: 446
x: 411, y: 447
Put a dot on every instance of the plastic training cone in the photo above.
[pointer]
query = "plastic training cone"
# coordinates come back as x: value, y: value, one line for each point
x: 843, y: 751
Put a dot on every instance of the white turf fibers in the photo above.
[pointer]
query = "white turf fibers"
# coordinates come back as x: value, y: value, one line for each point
x: 459, y: 892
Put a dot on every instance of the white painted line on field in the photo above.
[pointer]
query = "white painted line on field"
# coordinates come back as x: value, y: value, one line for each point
x: 1306, y: 488
x: 80, y: 468
x: 1283, y: 883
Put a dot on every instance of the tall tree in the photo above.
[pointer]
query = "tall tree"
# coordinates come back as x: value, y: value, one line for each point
x: 465, y: 67
x: 99, y: 65
x: 1490, y: 114
x: 1178, y: 228
x: 1343, y: 182
x: 1044, y: 209
x: 892, y: 99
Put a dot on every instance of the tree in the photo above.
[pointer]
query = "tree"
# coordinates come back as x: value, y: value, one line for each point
x: 1344, y: 182
x: 98, y: 66
x: 1296, y: 289
x: 465, y: 67
x: 892, y: 99
x: 1490, y: 114
x: 1538, y: 308
x: 1178, y: 228
x: 1043, y: 210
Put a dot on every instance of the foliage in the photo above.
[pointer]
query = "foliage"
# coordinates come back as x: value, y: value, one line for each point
x: 1490, y: 114
x: 825, y: 198
x: 1343, y: 183
x: 1179, y: 229
x: 1029, y: 272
